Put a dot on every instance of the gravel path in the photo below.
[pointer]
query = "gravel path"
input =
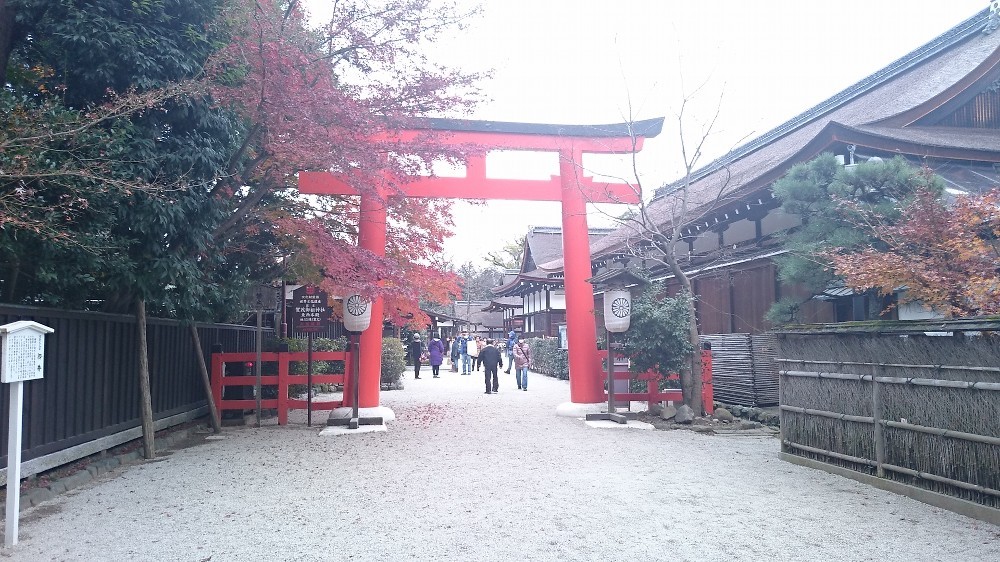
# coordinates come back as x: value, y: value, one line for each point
x: 465, y: 476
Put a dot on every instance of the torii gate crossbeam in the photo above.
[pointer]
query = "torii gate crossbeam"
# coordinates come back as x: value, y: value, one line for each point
x: 570, y: 187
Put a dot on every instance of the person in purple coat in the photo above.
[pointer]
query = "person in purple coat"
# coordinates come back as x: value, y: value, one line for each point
x: 435, y: 351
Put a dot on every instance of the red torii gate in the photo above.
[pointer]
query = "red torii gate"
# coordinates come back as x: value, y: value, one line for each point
x: 570, y: 187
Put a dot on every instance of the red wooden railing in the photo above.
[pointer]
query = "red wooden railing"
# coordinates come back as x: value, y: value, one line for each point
x: 653, y: 394
x: 282, y: 380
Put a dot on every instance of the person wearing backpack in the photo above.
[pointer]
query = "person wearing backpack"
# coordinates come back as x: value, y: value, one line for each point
x: 522, y: 360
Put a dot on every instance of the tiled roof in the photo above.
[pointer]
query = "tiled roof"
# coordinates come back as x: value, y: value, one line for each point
x: 951, y: 137
x: 915, y: 79
x: 472, y: 312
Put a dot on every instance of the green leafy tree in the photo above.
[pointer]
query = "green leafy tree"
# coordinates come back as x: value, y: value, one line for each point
x: 478, y: 283
x: 509, y: 257
x: 658, y: 337
x: 835, y: 205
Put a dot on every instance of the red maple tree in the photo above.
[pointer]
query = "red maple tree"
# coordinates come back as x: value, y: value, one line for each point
x: 945, y: 256
x: 330, y: 99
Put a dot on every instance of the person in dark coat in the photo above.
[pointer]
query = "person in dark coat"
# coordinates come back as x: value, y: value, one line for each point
x: 435, y: 353
x: 456, y: 353
x: 416, y: 350
x: 492, y: 360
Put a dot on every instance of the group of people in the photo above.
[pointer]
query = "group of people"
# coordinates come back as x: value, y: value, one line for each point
x: 474, y: 354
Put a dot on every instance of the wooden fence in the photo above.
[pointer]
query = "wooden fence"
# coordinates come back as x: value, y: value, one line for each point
x: 913, y: 403
x: 653, y: 394
x: 277, y: 378
x: 88, y: 400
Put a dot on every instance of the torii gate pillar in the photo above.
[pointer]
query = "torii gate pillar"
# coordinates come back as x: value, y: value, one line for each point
x: 586, y: 384
x: 371, y: 237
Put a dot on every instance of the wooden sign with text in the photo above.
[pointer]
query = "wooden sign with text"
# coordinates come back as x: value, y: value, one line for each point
x: 310, y: 309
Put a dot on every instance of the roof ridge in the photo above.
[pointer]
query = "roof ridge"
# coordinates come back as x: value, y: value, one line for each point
x: 934, y: 47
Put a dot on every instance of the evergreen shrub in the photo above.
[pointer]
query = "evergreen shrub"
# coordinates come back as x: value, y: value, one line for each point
x: 393, y: 363
x: 548, y: 359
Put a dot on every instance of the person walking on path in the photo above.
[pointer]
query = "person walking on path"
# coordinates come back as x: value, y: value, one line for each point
x: 416, y: 351
x: 511, y: 340
x: 492, y: 360
x: 474, y: 345
x: 462, y: 343
x: 456, y: 353
x: 435, y: 355
x: 522, y: 360
x: 447, y: 350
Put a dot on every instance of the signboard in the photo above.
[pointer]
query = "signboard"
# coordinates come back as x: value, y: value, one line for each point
x: 23, y: 353
x: 262, y: 297
x: 310, y: 311
x: 22, y: 358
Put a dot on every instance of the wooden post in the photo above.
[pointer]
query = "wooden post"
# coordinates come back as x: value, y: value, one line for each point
x: 611, y: 375
x: 257, y: 366
x: 14, y: 463
x: 877, y: 417
x: 206, y: 380
x: 309, y: 380
x: 145, y: 400
x: 282, y: 388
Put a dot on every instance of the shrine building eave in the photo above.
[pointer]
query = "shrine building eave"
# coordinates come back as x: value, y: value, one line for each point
x: 523, y: 284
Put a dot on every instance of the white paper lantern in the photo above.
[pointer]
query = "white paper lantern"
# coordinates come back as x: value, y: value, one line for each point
x: 617, y: 309
x: 357, y: 313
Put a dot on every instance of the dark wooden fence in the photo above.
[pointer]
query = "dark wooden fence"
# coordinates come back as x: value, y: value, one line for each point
x: 913, y: 403
x: 90, y: 390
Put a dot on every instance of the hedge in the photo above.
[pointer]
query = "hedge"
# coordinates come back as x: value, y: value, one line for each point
x: 548, y: 359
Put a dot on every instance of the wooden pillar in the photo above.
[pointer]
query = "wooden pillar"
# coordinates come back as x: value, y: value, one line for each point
x: 372, y: 235
x: 585, y: 384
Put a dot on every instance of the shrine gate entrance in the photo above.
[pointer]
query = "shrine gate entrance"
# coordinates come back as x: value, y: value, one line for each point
x: 570, y: 187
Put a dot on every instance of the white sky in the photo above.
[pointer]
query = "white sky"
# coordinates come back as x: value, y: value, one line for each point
x: 596, y: 62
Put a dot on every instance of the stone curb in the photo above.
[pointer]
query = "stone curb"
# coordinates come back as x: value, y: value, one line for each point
x: 752, y: 414
x: 39, y: 495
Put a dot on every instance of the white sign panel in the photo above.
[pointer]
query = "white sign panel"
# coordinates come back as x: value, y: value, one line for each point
x: 22, y: 356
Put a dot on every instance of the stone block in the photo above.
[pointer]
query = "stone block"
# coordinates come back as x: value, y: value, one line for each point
x: 723, y: 414
x: 684, y: 414
x: 77, y: 479
x: 668, y: 412
x: 36, y: 496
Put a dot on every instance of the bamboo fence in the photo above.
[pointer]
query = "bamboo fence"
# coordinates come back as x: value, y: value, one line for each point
x: 913, y: 402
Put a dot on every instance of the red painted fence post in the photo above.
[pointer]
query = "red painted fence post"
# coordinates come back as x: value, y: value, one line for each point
x: 282, y: 388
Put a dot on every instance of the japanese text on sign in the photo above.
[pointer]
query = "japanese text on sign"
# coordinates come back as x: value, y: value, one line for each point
x: 309, y: 309
x: 23, y: 355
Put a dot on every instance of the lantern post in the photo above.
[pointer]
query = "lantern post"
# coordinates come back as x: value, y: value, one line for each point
x: 357, y: 319
x: 617, y: 319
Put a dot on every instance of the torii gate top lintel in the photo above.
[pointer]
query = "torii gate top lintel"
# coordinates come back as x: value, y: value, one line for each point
x: 647, y: 128
x: 570, y: 141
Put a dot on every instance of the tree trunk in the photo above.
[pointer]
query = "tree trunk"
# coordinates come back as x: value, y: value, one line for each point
x: 691, y: 383
x: 213, y: 411
x: 145, y: 400
x: 692, y: 394
x: 6, y: 36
